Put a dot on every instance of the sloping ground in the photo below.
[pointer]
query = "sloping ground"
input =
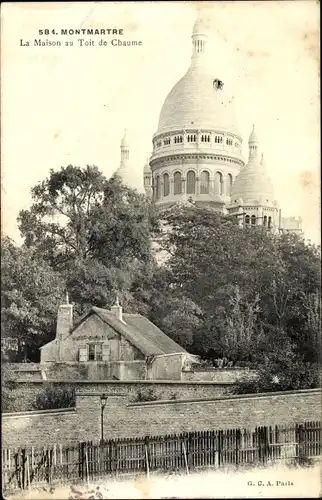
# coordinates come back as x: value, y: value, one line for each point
x: 269, y: 482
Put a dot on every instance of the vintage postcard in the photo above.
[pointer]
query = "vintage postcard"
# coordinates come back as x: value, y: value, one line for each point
x: 160, y: 285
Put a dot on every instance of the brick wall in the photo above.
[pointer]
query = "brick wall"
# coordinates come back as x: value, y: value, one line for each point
x: 26, y: 391
x: 122, y: 419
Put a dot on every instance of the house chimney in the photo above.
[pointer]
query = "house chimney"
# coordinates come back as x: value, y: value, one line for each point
x: 116, y: 309
x: 64, y: 320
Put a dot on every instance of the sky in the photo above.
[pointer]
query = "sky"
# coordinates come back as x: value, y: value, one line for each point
x: 70, y: 105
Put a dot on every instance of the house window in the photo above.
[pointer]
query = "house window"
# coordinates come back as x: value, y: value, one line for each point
x: 95, y: 352
x: 83, y: 353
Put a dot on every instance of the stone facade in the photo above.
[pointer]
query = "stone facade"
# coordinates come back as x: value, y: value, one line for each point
x: 197, y: 147
x: 197, y: 150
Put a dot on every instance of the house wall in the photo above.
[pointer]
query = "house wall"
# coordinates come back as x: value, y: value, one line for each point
x: 122, y: 419
x: 168, y: 367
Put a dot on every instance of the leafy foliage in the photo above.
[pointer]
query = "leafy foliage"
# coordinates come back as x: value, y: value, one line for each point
x: 248, y: 296
x: 254, y: 293
x: 30, y: 295
x: 148, y: 395
x: 84, y: 233
x: 7, y: 385
x: 53, y: 397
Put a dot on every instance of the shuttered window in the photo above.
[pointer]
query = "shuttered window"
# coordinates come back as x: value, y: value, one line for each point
x: 106, y: 352
x: 95, y: 352
x: 83, y: 353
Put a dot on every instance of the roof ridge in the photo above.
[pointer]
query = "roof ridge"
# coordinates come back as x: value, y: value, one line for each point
x: 145, y: 346
x: 133, y: 314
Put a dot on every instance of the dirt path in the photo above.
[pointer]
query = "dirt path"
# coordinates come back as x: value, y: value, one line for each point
x: 278, y: 482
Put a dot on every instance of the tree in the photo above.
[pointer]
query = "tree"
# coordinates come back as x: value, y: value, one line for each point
x: 30, y: 295
x: 240, y: 329
x: 181, y: 318
x: 254, y: 289
x: 95, y: 232
x: 77, y: 214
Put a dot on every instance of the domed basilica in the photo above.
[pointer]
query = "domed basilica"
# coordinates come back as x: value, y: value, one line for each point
x: 197, y: 151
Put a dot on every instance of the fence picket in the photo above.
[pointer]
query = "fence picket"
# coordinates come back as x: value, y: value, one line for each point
x: 22, y: 467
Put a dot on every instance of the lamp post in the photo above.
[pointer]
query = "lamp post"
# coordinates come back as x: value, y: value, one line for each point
x: 103, y: 404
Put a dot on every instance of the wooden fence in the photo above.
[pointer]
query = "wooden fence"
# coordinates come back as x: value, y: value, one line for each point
x: 24, y: 467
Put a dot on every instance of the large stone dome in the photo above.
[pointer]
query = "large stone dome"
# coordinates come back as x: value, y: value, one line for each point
x: 197, y: 102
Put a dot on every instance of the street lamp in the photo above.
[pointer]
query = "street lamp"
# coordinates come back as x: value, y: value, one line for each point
x: 103, y: 404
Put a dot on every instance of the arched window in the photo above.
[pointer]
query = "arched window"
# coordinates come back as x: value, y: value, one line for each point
x: 204, y: 182
x: 166, y: 185
x: 247, y: 220
x: 229, y: 184
x: 218, y: 183
x: 157, y: 187
x: 191, y: 182
x: 269, y: 222
x: 177, y: 184
x: 253, y: 219
x: 265, y: 220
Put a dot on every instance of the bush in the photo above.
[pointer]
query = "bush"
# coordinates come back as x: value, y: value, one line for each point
x: 148, y: 395
x: 290, y: 373
x: 54, y: 397
x: 7, y: 386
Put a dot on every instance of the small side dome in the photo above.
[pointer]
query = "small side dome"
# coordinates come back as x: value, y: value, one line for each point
x: 253, y: 136
x: 147, y: 169
x: 199, y: 27
x: 125, y: 141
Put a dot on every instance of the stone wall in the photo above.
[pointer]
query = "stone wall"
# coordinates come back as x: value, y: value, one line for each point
x: 220, y: 375
x: 168, y: 367
x: 124, y: 419
x: 26, y: 391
